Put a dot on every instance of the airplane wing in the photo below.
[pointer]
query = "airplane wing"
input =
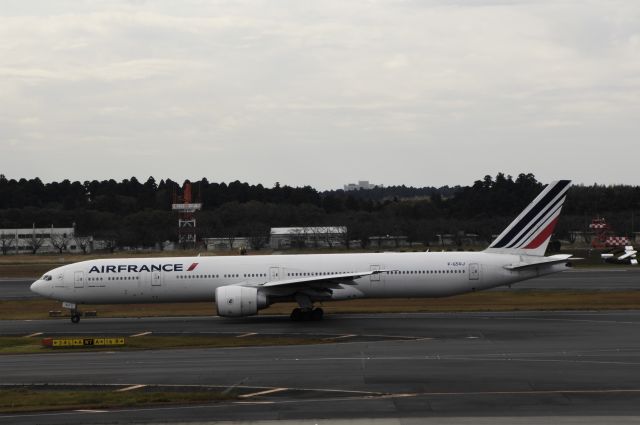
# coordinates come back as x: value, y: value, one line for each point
x: 322, y: 280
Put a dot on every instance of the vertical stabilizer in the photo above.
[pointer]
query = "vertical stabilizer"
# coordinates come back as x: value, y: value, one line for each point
x: 530, y: 232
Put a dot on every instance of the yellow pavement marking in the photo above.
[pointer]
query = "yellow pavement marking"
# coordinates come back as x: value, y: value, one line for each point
x: 271, y: 391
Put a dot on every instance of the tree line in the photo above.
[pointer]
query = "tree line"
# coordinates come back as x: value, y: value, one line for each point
x: 135, y: 213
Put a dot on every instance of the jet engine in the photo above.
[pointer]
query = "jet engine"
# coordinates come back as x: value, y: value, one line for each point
x: 237, y: 301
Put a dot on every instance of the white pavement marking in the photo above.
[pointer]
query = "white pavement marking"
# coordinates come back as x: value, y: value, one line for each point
x: 90, y: 411
x: 133, y: 387
x: 339, y: 337
x: 141, y: 334
x: 247, y: 334
x: 33, y: 334
x: 271, y: 391
x: 253, y: 402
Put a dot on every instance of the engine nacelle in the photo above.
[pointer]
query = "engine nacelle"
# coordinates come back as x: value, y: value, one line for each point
x: 237, y: 301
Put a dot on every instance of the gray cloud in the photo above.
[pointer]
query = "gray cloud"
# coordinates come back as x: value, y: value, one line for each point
x: 320, y: 93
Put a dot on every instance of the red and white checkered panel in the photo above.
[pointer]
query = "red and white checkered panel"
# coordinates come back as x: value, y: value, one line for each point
x: 598, y: 226
x: 616, y: 241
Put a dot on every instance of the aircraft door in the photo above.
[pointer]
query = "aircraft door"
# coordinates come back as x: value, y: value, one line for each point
x: 78, y: 280
x: 375, y: 277
x: 158, y: 286
x: 474, y: 271
x: 144, y: 285
x: 274, y: 273
x: 376, y: 280
x: 156, y: 278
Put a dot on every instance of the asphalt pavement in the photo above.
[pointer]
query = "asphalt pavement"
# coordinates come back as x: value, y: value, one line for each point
x: 398, y: 367
x: 535, y: 367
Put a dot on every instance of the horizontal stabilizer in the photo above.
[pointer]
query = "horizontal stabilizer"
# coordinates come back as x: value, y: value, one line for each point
x: 556, y: 259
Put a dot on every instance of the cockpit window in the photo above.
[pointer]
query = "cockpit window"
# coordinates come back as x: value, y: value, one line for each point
x: 46, y: 277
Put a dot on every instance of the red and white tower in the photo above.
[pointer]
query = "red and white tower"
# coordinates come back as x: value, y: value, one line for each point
x: 187, y: 235
x: 603, y: 235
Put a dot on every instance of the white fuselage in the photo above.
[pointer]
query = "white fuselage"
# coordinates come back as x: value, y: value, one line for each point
x: 181, y: 279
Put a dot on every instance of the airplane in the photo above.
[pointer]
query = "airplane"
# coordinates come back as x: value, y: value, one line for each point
x: 243, y: 285
x: 628, y: 256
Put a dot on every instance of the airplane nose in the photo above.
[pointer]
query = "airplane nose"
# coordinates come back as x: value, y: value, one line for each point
x: 37, y: 287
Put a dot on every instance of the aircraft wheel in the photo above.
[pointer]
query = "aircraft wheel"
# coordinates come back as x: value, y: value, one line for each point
x: 296, y: 315
x: 75, y: 318
x: 317, y: 314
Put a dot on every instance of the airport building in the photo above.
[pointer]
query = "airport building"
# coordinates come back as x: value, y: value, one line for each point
x: 226, y: 244
x: 388, y: 241
x: 307, y: 237
x: 362, y: 184
x: 42, y: 240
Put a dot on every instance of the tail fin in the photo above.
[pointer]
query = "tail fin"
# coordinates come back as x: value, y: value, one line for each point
x: 530, y: 232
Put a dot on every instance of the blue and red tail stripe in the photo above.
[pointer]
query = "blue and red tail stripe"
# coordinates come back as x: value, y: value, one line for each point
x: 530, y: 232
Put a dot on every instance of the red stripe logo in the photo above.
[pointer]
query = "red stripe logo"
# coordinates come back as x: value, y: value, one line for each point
x: 543, y: 236
x: 192, y: 266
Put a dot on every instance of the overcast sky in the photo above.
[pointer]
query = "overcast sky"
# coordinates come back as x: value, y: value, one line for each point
x: 320, y: 92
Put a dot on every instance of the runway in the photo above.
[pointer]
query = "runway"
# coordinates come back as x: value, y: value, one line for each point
x: 605, y: 279
x: 397, y: 366
x: 592, y: 279
x: 16, y: 289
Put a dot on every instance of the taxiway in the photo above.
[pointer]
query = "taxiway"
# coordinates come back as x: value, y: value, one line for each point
x: 526, y: 364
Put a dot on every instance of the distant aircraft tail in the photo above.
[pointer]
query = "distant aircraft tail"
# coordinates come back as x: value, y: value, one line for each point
x: 530, y: 232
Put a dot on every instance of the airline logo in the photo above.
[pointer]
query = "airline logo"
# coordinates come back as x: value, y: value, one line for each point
x: 534, y: 226
x: 135, y: 268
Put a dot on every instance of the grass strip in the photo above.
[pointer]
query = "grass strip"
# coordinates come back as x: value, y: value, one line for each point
x: 19, y: 345
x: 533, y: 300
x: 478, y: 301
x: 29, y: 400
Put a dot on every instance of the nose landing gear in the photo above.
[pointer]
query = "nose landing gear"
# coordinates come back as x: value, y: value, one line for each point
x: 73, y: 309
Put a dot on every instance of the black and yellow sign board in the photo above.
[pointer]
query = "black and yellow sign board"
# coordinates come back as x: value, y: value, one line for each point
x: 82, y: 342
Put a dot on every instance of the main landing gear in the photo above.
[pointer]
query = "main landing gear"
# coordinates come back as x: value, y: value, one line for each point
x: 300, y: 315
x: 306, y: 312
